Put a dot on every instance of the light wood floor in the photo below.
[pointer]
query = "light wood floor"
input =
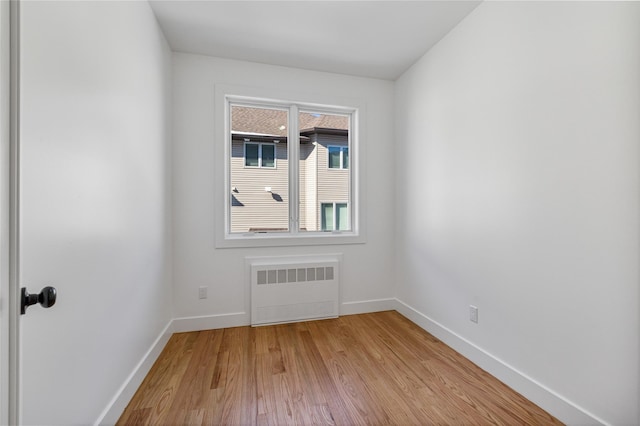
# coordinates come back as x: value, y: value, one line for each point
x: 360, y: 369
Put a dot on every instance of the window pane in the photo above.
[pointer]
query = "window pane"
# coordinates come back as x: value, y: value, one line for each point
x: 327, y: 217
x: 342, y: 217
x: 268, y: 156
x: 251, y: 155
x: 259, y: 192
x: 322, y: 181
x: 334, y: 157
x: 345, y: 157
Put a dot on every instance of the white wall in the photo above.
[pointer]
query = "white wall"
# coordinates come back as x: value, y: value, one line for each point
x: 516, y: 189
x: 95, y: 216
x: 520, y: 196
x: 368, y: 267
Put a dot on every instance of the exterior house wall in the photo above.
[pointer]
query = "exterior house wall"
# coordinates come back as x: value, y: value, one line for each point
x: 333, y: 184
x: 252, y: 207
x: 308, y: 180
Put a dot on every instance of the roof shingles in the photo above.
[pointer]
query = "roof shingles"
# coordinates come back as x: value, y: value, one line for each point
x: 273, y: 122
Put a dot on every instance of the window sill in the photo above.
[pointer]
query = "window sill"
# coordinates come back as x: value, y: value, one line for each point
x: 274, y: 240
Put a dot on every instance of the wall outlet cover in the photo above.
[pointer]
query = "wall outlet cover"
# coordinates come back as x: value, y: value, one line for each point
x: 202, y: 293
x: 473, y: 313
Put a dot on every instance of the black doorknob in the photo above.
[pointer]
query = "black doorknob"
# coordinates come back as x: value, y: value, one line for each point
x: 46, y: 298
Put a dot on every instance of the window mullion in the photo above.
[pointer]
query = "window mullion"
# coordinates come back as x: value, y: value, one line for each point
x: 294, y: 165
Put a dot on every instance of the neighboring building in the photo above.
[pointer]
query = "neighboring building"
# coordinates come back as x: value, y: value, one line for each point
x: 259, y: 171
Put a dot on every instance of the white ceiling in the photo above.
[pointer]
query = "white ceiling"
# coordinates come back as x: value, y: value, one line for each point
x: 378, y: 39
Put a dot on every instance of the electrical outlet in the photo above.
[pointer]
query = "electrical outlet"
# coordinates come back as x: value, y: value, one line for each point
x: 202, y: 293
x: 473, y: 313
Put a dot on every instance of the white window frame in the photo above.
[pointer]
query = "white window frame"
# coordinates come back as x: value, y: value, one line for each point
x: 226, y: 95
x: 260, y: 145
x: 342, y: 149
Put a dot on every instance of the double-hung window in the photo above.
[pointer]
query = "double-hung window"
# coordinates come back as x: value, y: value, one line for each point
x: 259, y: 155
x: 335, y: 216
x: 281, y: 166
x: 338, y: 157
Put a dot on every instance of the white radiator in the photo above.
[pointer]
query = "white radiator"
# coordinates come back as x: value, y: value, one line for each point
x: 288, y: 289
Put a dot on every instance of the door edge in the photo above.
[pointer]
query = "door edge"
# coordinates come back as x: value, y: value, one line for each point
x: 9, y: 138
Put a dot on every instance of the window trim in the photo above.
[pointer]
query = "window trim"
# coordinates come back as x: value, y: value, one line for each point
x: 260, y: 144
x: 317, y: 102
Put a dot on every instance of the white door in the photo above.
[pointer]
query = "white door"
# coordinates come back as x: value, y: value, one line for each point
x: 11, y: 324
x: 25, y: 362
x: 94, y: 202
x: 55, y: 344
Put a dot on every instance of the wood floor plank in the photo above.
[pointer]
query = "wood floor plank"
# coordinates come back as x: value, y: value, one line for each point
x: 236, y: 345
x: 469, y: 387
x: 348, y: 385
x: 161, y: 384
x: 302, y: 397
x: 194, y: 383
x: 405, y: 395
x: 373, y: 369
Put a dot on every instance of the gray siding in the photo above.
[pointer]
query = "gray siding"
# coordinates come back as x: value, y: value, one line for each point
x: 333, y: 184
x: 308, y: 193
x: 253, y: 207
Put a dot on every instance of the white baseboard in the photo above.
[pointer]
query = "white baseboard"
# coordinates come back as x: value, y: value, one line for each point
x: 119, y: 402
x: 547, y: 399
x: 210, y: 322
x: 239, y: 319
x: 366, y: 306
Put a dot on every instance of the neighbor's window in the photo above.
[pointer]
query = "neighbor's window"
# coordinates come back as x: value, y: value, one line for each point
x: 335, y: 216
x: 338, y: 157
x: 259, y: 155
x: 269, y: 193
